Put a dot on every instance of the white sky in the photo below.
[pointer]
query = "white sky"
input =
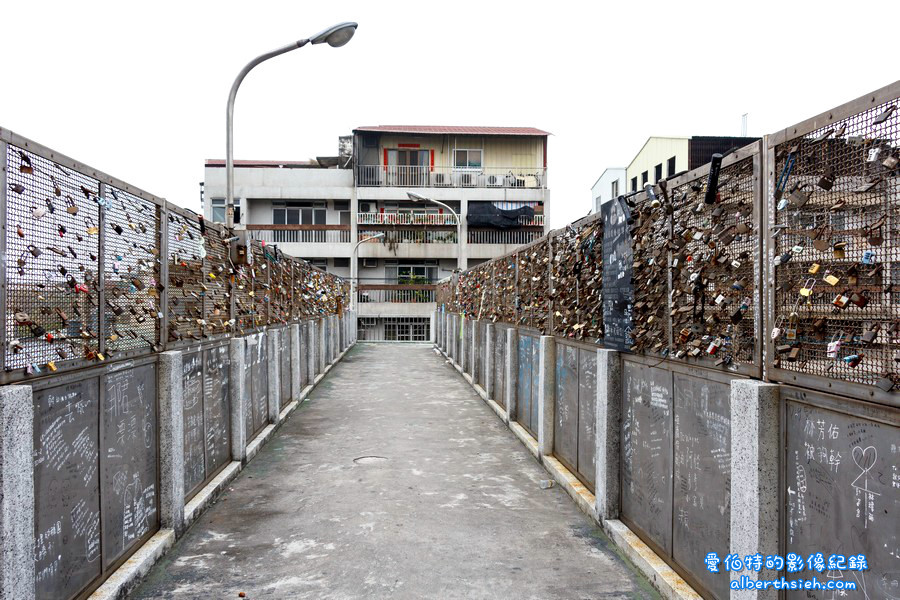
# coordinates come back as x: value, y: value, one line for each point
x: 140, y: 92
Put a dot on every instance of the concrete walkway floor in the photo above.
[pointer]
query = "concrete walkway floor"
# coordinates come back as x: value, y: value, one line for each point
x: 395, y: 480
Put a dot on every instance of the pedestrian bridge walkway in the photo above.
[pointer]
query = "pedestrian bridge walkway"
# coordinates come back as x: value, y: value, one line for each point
x: 393, y: 479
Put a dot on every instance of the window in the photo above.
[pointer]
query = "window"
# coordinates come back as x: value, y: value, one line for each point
x: 342, y: 262
x: 644, y: 178
x: 467, y: 159
x: 670, y: 167
x: 657, y: 173
x: 341, y: 205
x: 218, y: 210
x: 297, y: 215
x: 614, y: 188
x: 634, y: 184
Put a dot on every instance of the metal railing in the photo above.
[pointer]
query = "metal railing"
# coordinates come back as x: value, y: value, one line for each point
x: 413, y: 236
x: 428, y: 176
x: 301, y: 236
x: 397, y: 293
x: 394, y: 218
x: 510, y: 236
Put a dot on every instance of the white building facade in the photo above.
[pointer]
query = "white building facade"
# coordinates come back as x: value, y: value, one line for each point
x: 495, y: 178
x: 610, y: 184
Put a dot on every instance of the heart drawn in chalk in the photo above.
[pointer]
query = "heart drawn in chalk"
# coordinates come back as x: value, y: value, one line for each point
x: 864, y: 459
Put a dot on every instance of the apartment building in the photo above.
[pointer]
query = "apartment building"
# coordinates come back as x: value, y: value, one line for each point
x: 494, y: 178
x: 663, y: 157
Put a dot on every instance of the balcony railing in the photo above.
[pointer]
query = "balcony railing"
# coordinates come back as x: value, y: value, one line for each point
x: 391, y: 218
x: 413, y: 236
x: 509, y: 236
x: 300, y: 234
x: 395, y: 293
x: 427, y: 176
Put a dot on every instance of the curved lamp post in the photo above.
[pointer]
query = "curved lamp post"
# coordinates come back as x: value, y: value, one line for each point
x: 354, y: 269
x: 335, y: 37
x: 419, y: 198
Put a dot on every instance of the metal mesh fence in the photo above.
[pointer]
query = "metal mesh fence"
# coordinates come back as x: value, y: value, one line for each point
x: 52, y: 264
x: 715, y: 267
x: 837, y: 250
x: 132, y: 273
x: 94, y: 267
x: 577, y: 285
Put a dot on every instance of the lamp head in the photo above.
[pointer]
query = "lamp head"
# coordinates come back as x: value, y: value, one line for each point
x: 335, y: 36
x: 416, y: 197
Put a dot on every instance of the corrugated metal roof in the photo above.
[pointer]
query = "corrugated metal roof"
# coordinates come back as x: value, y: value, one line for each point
x: 453, y: 130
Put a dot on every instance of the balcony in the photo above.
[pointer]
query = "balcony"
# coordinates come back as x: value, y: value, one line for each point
x: 395, y: 293
x: 515, y: 237
x: 427, y: 176
x: 300, y: 234
x: 393, y: 218
x: 413, y: 236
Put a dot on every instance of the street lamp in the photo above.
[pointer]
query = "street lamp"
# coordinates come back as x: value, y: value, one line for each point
x: 419, y: 198
x: 354, y: 268
x: 335, y: 37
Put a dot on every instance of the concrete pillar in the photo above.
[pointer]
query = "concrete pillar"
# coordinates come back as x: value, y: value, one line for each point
x: 296, y: 358
x: 511, y: 373
x: 754, y: 476
x: 432, y: 328
x: 462, y: 359
x: 322, y: 345
x: 608, y: 414
x: 488, y: 372
x: 546, y: 394
x: 273, y: 367
x: 335, y: 338
x: 462, y: 245
x: 473, y: 349
x: 312, y: 354
x: 16, y: 493
x: 171, y: 441
x: 239, y: 401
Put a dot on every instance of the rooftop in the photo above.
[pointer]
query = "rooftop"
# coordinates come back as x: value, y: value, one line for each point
x: 453, y: 130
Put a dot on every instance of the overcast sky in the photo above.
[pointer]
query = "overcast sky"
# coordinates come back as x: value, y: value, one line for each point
x: 140, y: 92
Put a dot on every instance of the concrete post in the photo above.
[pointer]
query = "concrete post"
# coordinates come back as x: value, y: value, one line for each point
x: 239, y: 401
x: 546, y: 394
x: 488, y: 369
x: 296, y: 358
x: 273, y: 367
x: 511, y: 373
x: 322, y: 345
x: 171, y: 441
x: 312, y: 353
x: 463, y: 345
x: 473, y: 349
x: 16, y: 493
x: 608, y: 415
x: 754, y: 476
x: 335, y: 338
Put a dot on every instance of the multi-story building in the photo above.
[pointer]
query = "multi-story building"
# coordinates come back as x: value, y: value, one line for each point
x: 495, y: 178
x: 610, y: 184
x: 662, y: 157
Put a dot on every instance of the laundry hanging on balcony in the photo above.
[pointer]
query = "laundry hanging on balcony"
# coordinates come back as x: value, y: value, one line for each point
x: 485, y: 214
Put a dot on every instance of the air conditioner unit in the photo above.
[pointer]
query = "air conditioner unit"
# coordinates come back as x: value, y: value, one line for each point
x: 366, y: 207
x: 464, y: 179
x: 495, y: 180
x: 440, y: 179
x: 370, y: 263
